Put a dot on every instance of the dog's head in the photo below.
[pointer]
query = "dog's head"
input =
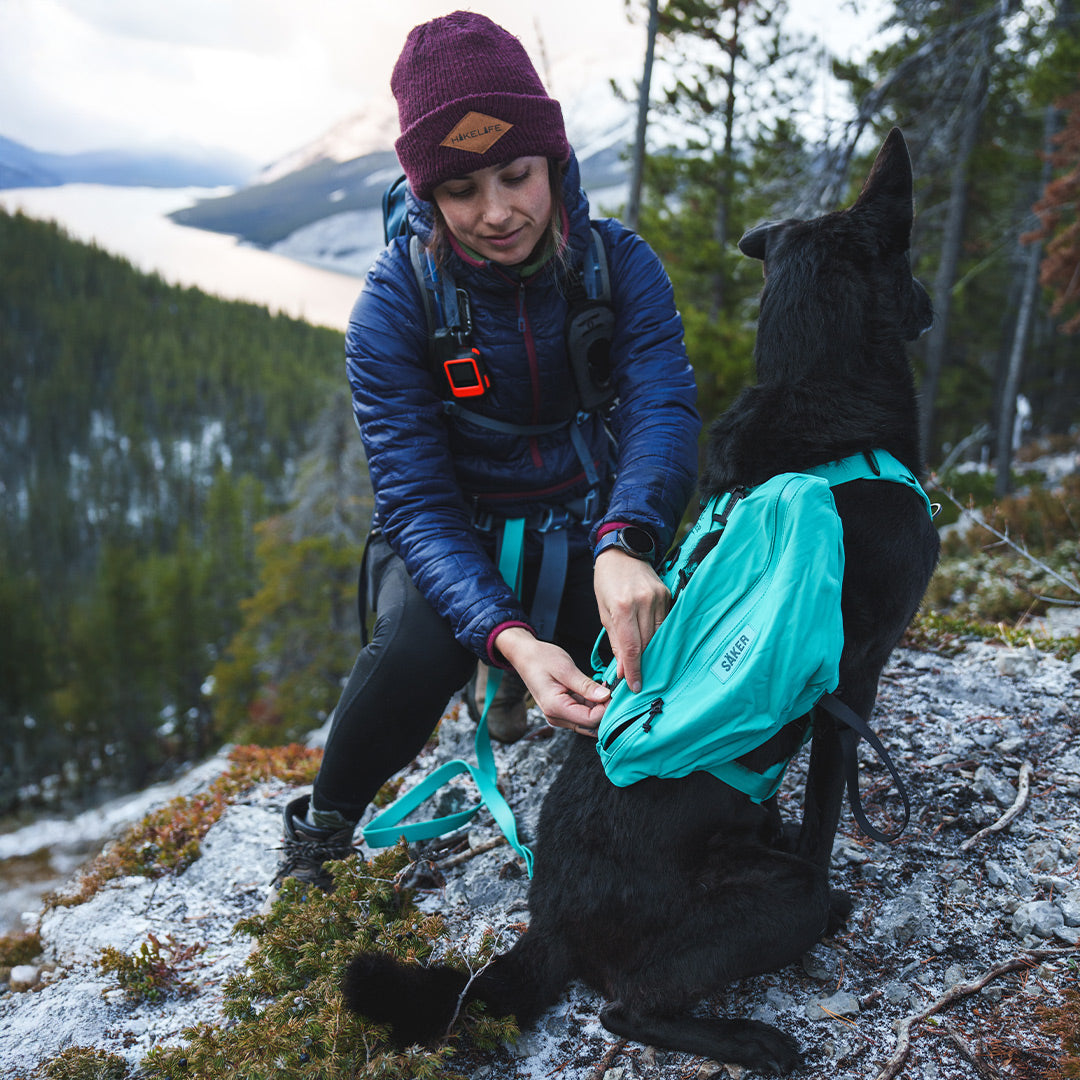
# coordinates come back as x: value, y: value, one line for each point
x: 838, y: 289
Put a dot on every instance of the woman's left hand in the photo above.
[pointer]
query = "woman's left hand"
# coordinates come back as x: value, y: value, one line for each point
x: 565, y: 694
x: 633, y: 602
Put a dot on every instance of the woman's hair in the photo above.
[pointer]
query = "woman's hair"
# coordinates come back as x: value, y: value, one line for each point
x: 439, y: 242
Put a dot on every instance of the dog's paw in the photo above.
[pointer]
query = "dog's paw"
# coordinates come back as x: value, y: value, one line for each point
x: 839, y: 910
x: 767, y: 1049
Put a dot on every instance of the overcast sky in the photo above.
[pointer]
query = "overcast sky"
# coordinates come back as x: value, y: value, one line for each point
x: 262, y: 77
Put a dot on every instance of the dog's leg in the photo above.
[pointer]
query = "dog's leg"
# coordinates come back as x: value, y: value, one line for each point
x: 824, y: 798
x: 748, y: 909
x: 750, y: 1043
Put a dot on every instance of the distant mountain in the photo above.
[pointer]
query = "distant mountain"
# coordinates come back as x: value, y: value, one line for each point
x: 22, y: 166
x: 322, y: 204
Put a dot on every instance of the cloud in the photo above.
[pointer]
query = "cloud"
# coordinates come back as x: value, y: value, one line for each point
x: 257, y: 77
x: 244, y: 25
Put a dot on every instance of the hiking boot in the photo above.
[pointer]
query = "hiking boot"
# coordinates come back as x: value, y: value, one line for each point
x: 507, y: 718
x: 307, y: 848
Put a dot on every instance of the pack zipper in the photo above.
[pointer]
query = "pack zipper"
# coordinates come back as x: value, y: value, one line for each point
x: 656, y: 706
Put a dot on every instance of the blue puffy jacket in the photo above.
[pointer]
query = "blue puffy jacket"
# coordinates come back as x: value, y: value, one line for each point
x: 432, y: 473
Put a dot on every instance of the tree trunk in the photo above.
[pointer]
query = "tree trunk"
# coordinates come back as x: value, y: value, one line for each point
x: 633, y: 205
x: 1029, y: 295
x: 945, y: 278
x: 723, y: 197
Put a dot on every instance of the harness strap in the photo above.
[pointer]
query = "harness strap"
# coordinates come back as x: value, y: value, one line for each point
x: 870, y: 465
x: 506, y: 427
x: 417, y: 256
x: 384, y: 830
x: 853, y: 726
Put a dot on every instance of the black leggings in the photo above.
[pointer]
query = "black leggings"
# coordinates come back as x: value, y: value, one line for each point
x: 402, y: 680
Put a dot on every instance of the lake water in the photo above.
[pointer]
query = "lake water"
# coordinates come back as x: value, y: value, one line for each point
x: 132, y: 222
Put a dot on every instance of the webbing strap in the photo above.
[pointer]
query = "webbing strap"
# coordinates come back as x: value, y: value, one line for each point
x: 507, y: 427
x: 870, y: 465
x: 549, y: 585
x: 852, y: 727
x: 384, y: 830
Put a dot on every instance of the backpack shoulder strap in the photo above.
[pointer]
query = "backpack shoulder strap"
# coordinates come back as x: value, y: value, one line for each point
x: 418, y: 257
x: 596, y: 273
x: 395, y: 212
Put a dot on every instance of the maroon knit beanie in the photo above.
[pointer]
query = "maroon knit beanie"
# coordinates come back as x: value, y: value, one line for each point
x: 469, y: 97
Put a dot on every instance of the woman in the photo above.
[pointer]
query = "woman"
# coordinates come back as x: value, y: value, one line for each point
x: 494, y: 196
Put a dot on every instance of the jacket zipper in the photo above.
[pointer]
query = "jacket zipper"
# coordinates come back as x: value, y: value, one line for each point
x: 534, y: 371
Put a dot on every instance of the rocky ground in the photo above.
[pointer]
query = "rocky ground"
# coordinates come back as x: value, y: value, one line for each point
x: 961, y: 932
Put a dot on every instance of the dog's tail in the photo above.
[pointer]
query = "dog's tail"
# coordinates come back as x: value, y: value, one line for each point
x: 419, y: 1003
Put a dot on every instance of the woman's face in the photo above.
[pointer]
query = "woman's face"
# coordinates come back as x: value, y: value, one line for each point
x: 500, y: 212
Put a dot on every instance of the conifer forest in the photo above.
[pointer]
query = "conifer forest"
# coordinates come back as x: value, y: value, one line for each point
x: 183, y: 493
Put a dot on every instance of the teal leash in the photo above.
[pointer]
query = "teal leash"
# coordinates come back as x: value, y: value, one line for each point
x: 385, y: 829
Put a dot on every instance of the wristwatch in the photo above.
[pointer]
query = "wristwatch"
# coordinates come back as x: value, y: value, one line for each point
x: 629, y: 538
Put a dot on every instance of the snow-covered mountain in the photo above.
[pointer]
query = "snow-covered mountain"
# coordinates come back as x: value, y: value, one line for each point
x: 370, y: 131
x: 322, y: 203
x: 24, y: 167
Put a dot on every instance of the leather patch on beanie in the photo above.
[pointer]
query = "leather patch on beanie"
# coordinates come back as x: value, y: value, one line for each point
x: 476, y: 133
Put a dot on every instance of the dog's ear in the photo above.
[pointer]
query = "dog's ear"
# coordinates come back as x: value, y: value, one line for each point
x: 755, y: 241
x: 888, y: 196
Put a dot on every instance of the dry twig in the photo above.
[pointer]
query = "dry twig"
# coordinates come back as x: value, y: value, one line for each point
x: 1023, y: 786
x: 465, y: 856
x: 1020, y: 550
x: 604, y: 1063
x: 983, y: 1065
x: 953, y: 994
x: 473, y: 976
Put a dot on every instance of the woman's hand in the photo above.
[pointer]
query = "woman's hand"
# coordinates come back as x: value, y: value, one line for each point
x: 566, y: 695
x: 633, y: 602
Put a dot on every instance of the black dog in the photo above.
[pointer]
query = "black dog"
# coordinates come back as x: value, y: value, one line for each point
x: 658, y: 894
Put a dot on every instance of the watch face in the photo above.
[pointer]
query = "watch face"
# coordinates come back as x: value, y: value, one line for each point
x: 637, y: 541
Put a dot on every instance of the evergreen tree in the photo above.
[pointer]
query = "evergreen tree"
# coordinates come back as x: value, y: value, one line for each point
x: 957, y: 77
x: 282, y: 672
x: 144, y: 430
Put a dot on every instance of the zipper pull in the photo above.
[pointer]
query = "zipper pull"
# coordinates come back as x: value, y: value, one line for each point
x: 655, y: 709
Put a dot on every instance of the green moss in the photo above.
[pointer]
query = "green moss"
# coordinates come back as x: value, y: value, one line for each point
x: 83, y: 1063
x: 945, y: 633
x: 285, y: 1016
x: 19, y: 948
x: 154, y: 972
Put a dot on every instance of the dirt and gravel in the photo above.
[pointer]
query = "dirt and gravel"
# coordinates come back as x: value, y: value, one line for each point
x: 962, y: 933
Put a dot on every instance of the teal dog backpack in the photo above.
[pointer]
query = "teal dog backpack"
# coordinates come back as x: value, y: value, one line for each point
x: 753, y: 638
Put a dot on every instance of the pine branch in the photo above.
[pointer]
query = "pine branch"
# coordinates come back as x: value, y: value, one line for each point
x: 1020, y: 550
